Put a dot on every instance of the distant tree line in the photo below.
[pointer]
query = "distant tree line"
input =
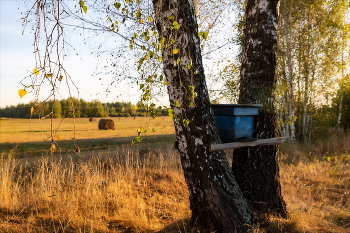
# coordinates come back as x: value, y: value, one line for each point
x: 73, y: 107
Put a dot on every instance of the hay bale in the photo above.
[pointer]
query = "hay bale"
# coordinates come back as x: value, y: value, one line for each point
x: 92, y: 119
x: 106, y: 124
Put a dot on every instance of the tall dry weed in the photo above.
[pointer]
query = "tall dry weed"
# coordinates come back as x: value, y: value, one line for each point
x: 92, y: 194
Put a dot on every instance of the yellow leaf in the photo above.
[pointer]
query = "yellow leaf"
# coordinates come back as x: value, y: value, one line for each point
x: 58, y: 137
x: 35, y: 71
x: 22, y: 92
x: 49, y: 75
x: 175, y: 51
x: 142, y: 21
x: 52, y: 148
x: 31, y: 110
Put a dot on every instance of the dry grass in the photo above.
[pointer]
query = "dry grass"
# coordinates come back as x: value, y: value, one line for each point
x: 317, y: 195
x: 315, y: 179
x: 32, y: 136
x: 109, y: 193
x: 128, y: 189
x: 35, y: 130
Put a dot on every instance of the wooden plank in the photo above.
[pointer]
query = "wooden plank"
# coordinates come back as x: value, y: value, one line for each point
x: 233, y: 145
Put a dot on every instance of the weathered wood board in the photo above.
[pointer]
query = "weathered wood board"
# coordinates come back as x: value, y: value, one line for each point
x: 233, y: 145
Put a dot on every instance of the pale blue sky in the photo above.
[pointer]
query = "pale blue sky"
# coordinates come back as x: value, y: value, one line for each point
x: 17, y: 59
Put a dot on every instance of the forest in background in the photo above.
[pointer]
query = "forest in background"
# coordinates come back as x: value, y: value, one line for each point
x: 72, y: 107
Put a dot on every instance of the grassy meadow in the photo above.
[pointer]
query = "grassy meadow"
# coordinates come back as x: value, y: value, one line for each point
x: 113, y: 186
x: 33, y: 136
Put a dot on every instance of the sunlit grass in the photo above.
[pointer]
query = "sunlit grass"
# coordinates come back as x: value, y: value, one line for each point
x: 35, y: 130
x: 139, y: 190
x: 32, y: 136
x: 142, y: 189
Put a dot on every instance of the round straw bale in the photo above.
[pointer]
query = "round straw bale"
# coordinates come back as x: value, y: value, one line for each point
x: 106, y: 124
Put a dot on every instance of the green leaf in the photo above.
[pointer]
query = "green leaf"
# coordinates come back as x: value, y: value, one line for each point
x: 81, y: 3
x: 191, y: 88
x: 185, y: 122
x: 205, y: 35
x: 171, y: 114
x: 177, y: 104
x: 82, y: 6
x: 150, y: 54
x: 192, y: 91
x: 142, y: 85
x: 175, y: 25
x: 178, y: 61
x: 109, y: 19
x: 117, y: 5
x: 161, y: 39
x: 138, y: 14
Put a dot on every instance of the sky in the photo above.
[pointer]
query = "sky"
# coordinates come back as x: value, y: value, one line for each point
x: 17, y: 61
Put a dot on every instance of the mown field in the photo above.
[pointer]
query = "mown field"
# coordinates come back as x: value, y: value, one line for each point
x: 113, y: 186
x: 33, y: 136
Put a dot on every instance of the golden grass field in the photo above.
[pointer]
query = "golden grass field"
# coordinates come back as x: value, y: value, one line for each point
x: 32, y: 136
x: 119, y: 187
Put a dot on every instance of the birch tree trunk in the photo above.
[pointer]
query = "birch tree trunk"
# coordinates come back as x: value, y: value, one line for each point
x: 256, y: 169
x: 216, y: 201
x: 341, y: 88
x: 291, y: 101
